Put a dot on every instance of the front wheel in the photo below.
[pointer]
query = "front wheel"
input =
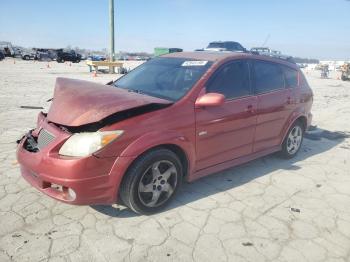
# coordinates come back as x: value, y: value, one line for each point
x: 152, y: 181
x: 292, y: 142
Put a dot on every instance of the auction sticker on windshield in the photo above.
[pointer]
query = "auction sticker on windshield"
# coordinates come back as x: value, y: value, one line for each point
x: 194, y: 63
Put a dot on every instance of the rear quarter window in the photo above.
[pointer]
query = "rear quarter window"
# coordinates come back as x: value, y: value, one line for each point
x: 268, y: 77
x: 290, y: 76
x: 303, y: 81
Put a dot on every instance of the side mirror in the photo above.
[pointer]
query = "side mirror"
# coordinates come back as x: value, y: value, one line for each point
x: 210, y: 99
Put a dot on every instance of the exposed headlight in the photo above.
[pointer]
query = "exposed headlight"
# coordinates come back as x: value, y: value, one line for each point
x: 84, y: 144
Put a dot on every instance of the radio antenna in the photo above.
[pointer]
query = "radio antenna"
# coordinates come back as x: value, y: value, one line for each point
x: 266, y: 40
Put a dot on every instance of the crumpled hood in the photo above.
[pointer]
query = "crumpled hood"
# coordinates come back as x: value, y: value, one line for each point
x: 78, y: 102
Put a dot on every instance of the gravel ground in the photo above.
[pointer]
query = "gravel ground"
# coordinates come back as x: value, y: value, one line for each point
x: 267, y: 210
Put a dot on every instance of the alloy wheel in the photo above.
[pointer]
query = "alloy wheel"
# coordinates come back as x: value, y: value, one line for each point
x: 294, y: 140
x: 157, y: 183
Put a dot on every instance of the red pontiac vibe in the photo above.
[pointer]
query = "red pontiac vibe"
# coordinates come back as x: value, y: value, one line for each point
x: 178, y: 117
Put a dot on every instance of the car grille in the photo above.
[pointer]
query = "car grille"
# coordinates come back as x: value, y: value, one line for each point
x: 45, y: 138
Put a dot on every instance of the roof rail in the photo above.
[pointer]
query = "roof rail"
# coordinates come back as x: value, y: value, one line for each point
x: 275, y: 54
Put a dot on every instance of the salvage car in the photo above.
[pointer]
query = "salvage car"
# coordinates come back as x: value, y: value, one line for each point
x: 28, y: 55
x: 175, y: 118
x: 225, y: 46
x: 2, y: 56
x: 70, y: 56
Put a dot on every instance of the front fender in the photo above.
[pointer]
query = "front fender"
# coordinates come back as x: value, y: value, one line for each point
x: 158, y: 138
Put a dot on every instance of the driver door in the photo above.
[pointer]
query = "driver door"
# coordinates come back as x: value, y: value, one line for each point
x: 226, y: 132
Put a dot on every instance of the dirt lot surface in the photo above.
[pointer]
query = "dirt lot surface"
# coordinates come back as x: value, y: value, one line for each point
x: 266, y: 210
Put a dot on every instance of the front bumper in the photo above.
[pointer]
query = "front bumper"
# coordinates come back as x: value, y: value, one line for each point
x: 79, y: 181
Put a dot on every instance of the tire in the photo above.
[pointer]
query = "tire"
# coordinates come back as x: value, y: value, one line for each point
x: 293, y: 140
x: 60, y: 60
x: 151, y: 181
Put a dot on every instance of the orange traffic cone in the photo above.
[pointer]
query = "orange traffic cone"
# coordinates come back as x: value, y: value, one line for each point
x: 94, y: 74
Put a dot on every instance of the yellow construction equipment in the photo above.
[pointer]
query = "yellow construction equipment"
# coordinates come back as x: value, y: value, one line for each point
x: 345, y: 72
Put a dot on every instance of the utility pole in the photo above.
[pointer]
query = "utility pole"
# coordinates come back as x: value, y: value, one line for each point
x: 111, y: 28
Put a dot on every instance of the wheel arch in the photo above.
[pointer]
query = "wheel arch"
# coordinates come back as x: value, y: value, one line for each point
x: 176, y: 149
x: 299, y: 118
x: 303, y: 120
x: 172, y: 140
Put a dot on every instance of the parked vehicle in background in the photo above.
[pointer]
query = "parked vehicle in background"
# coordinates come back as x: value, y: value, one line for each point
x: 27, y: 55
x: 177, y: 117
x: 261, y: 50
x: 7, y: 49
x: 17, y: 51
x: 269, y: 52
x: 96, y: 58
x: 45, y: 55
x: 225, y: 46
x: 2, y: 56
x: 71, y: 56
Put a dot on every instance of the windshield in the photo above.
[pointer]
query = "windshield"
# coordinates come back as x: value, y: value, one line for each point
x: 167, y: 78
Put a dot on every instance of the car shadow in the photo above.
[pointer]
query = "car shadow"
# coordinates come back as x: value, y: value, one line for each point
x: 317, y: 141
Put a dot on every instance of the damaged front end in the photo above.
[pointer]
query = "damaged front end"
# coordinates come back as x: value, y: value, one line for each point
x: 65, y: 155
x: 115, y: 118
x: 37, y: 139
x: 82, y: 107
x: 71, y: 179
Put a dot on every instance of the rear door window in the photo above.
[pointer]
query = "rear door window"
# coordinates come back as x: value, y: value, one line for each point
x: 232, y: 80
x: 268, y: 77
x: 291, y: 77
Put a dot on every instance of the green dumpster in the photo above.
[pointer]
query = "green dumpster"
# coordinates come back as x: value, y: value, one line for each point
x: 158, y: 51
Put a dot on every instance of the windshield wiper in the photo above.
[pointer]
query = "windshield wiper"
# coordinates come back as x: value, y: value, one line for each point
x: 136, y: 91
x: 130, y: 90
x: 141, y: 92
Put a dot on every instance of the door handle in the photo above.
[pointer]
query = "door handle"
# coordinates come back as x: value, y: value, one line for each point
x: 249, y: 109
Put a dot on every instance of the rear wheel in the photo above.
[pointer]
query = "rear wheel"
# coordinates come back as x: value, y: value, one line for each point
x: 151, y: 181
x: 292, y: 142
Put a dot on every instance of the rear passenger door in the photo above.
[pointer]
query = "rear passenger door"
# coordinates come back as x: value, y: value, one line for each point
x: 275, y: 104
x: 226, y: 132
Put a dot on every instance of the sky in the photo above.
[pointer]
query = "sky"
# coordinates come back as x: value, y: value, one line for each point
x: 305, y: 28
